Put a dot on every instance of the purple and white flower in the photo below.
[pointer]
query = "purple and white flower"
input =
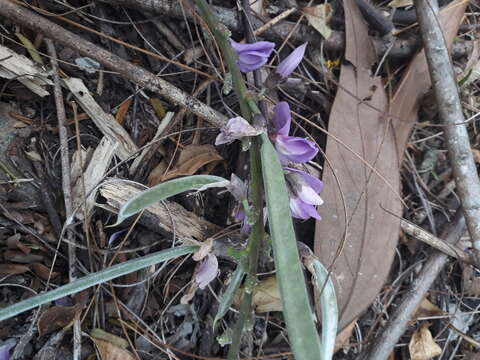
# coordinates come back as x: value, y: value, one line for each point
x: 206, y: 271
x: 5, y: 349
x: 303, y: 190
x: 236, y: 129
x: 252, y: 56
x: 239, y: 190
x: 290, y: 63
x: 289, y: 148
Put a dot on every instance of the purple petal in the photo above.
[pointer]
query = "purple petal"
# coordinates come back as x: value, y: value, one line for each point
x: 207, y: 271
x: 312, y: 181
x: 286, y: 67
x: 294, y: 149
x: 5, y: 349
x: 252, y: 56
x: 282, y: 118
x: 301, y: 210
x: 223, y: 139
x: 264, y: 47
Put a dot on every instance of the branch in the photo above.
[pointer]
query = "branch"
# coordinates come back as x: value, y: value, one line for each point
x: 450, y: 111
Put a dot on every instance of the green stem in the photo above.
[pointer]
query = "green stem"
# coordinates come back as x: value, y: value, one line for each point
x: 257, y: 235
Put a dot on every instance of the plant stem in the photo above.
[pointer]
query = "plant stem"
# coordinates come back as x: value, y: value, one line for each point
x: 247, y: 107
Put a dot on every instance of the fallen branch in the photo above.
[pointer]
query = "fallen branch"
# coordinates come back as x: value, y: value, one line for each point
x: 450, y: 110
x: 138, y: 75
x: 383, y: 345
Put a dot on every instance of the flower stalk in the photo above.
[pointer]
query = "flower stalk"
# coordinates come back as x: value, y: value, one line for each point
x: 248, y: 108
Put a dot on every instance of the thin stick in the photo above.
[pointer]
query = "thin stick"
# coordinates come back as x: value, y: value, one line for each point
x: 450, y: 110
x: 66, y: 187
x: 384, y: 343
x: 138, y: 75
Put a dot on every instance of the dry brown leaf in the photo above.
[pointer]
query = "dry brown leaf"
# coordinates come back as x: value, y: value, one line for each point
x: 471, y: 281
x: 266, y: 296
x: 122, y: 111
x: 343, y: 336
x: 11, y: 269
x: 42, y: 271
x: 318, y: 16
x: 366, y: 256
x: 110, y: 351
x: 191, y: 159
x: 426, y: 308
x: 416, y: 83
x: 361, y: 269
x: 400, y: 3
x: 422, y: 346
x: 56, y: 318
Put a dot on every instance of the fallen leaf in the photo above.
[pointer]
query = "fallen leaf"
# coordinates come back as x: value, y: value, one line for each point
x: 471, y: 281
x: 110, y: 347
x: 55, y: 318
x: 426, y: 308
x: 357, y: 119
x: 122, y: 111
x: 365, y: 254
x: 43, y: 272
x: 110, y: 351
x: 400, y: 3
x: 343, y: 336
x: 191, y: 159
x: 422, y: 346
x: 11, y: 269
x: 266, y: 296
x: 318, y: 16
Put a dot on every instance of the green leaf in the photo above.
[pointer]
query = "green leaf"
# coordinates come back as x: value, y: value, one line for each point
x: 328, y: 304
x: 165, y: 190
x: 229, y: 294
x: 93, y: 279
x: 297, y: 311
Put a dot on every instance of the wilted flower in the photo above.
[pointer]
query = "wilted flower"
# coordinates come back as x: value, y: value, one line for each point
x: 239, y: 190
x: 289, y: 148
x: 303, y: 190
x: 286, y: 67
x: 252, y: 56
x: 235, y: 129
x: 206, y: 271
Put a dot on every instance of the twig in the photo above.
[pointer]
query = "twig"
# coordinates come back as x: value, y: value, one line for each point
x: 450, y: 111
x: 384, y: 343
x: 435, y: 242
x: 66, y: 186
x: 132, y: 72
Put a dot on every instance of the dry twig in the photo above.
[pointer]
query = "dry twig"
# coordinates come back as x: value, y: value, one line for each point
x: 450, y: 111
x: 384, y: 343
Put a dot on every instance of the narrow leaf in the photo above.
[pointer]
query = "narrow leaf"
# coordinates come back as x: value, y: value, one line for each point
x: 298, y: 314
x: 93, y: 279
x: 328, y: 305
x: 163, y: 191
x: 228, y: 296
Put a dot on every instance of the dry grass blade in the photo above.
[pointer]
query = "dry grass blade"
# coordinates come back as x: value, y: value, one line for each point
x: 364, y: 262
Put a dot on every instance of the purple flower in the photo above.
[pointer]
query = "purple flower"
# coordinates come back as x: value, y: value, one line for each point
x: 286, y: 67
x: 252, y: 56
x: 289, y: 148
x: 303, y: 189
x: 5, y: 349
x: 235, y: 129
x: 206, y: 271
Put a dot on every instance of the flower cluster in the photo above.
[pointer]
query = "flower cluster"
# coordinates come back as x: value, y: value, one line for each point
x: 303, y: 188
